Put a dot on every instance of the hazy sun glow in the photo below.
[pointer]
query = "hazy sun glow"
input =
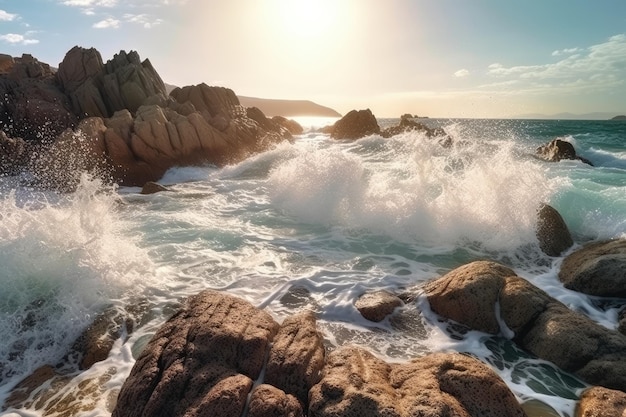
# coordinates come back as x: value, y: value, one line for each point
x: 308, y: 18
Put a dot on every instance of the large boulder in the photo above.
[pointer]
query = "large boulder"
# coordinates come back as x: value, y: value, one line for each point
x: 552, y: 232
x: 203, y: 361
x: 408, y: 125
x: 14, y: 154
x: 377, y: 305
x: 597, y: 269
x: 472, y: 294
x: 355, y: 125
x: 356, y: 383
x: 558, y: 150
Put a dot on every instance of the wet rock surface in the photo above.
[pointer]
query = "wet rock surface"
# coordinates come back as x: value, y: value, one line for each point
x: 601, y: 402
x: 552, y: 232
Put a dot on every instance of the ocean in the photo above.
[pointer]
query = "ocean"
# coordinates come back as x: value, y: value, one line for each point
x: 313, y: 224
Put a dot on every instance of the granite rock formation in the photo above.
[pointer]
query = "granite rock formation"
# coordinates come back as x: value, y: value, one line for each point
x: 535, y: 321
x: 355, y: 125
x: 552, y: 232
x: 558, y: 150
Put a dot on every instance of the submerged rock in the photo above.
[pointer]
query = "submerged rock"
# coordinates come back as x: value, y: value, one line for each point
x: 152, y: 187
x: 355, y: 125
x: 375, y: 306
x: 534, y: 320
x: 597, y: 269
x: 552, y: 232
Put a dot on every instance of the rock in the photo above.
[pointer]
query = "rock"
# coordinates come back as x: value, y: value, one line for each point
x: 622, y: 321
x: 201, y: 362
x: 33, y: 105
x: 24, y: 389
x: 377, y: 305
x: 601, y: 402
x: 597, y: 269
x: 291, y: 125
x: 355, y: 125
x: 269, y: 401
x: 356, y: 383
x: 558, y: 150
x: 14, y: 155
x: 297, y: 357
x: 408, y: 125
x: 534, y: 320
x: 153, y: 187
x: 552, y: 232
x: 99, y: 90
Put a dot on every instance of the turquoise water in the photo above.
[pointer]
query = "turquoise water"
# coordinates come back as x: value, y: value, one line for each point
x: 312, y: 224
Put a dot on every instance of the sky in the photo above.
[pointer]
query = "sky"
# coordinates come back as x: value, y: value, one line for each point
x: 436, y: 58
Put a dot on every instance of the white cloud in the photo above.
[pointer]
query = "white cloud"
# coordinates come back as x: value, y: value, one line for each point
x: 90, y: 3
x: 461, y: 73
x: 143, y: 20
x: 566, y: 51
x: 107, y: 24
x: 88, y: 11
x: 16, y: 39
x: 6, y: 16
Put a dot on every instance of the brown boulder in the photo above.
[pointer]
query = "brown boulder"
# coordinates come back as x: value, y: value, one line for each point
x: 269, y: 401
x: 538, y: 323
x: 291, y: 125
x: 375, y: 306
x: 297, y: 357
x: 14, y: 154
x: 153, y: 187
x: 597, y: 269
x: 408, y: 125
x: 355, y: 125
x: 558, y: 150
x: 552, y: 232
x: 601, y: 402
x: 356, y: 383
x: 201, y: 362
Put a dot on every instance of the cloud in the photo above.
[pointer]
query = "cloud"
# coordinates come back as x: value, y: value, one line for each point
x: 569, y: 51
x: 90, y: 3
x: 107, y: 24
x: 6, y: 16
x: 16, y: 39
x: 143, y: 20
x: 461, y: 73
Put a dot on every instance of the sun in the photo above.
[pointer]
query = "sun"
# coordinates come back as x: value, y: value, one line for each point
x: 308, y: 18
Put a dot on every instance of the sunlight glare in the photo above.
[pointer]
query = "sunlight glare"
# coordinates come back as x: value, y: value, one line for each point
x: 308, y: 18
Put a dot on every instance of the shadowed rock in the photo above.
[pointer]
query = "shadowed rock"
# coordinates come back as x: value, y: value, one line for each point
x: 552, y: 232
x: 269, y: 401
x: 355, y: 125
x: 291, y: 125
x: 201, y: 362
x: 601, y: 402
x: 14, y: 154
x: 152, y: 188
x: 375, y: 306
x: 558, y: 150
x: 539, y: 323
x: 297, y: 357
x: 597, y: 269
x: 356, y: 383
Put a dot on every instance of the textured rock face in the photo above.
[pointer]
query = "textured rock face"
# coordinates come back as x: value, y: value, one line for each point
x: 558, y: 150
x: 377, y: 305
x: 356, y: 383
x: 597, y: 269
x: 201, y: 362
x: 540, y: 324
x: 601, y: 402
x: 552, y: 232
x: 355, y: 125
x: 14, y: 154
x: 98, y: 89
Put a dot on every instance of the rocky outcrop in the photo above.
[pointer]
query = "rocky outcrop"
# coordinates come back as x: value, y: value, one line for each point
x: 597, y: 269
x: 552, y: 232
x: 376, y: 306
x: 32, y: 105
x: 153, y: 188
x: 472, y: 294
x: 291, y: 125
x: 356, y: 383
x: 98, y: 89
x: 129, y: 132
x: 14, y: 154
x: 601, y: 402
x: 204, y: 361
x: 355, y: 125
x: 408, y: 125
x: 558, y: 150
